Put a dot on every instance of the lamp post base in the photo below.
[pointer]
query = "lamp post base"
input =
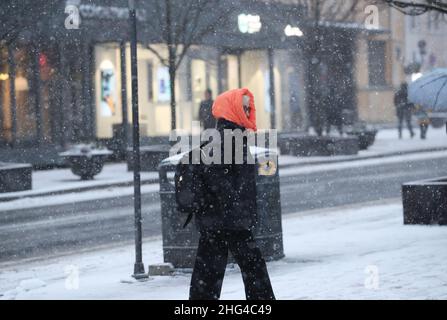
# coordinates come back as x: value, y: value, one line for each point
x: 138, y: 272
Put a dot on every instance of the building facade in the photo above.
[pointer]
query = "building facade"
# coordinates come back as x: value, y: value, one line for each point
x: 73, y: 85
x: 426, y: 41
x: 378, y: 68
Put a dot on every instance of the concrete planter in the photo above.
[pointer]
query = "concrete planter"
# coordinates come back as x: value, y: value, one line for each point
x: 425, y: 202
x: 85, y: 161
x: 40, y: 157
x: 302, y: 145
x: 366, y: 137
x: 286, y: 140
x: 15, y: 177
x: 119, y: 142
x: 150, y: 157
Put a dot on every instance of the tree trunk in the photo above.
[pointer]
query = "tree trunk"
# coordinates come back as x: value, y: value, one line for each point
x: 172, y: 61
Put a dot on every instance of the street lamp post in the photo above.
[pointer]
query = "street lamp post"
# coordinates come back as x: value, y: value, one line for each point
x: 272, y: 93
x: 139, y: 266
x: 124, y: 134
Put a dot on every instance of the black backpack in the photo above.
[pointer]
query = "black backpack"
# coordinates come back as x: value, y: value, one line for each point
x: 189, y: 193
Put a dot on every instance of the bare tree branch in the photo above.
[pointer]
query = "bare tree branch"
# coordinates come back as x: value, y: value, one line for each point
x: 189, y: 25
x: 159, y: 56
x: 352, y: 10
x: 414, y: 8
x: 179, y: 30
x: 17, y: 16
x: 182, y: 24
x: 196, y: 34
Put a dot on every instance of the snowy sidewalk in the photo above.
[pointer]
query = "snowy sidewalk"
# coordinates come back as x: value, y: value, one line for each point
x: 357, y: 252
x: 62, y: 181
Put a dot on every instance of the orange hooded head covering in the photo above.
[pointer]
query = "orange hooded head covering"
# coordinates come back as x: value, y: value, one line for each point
x: 229, y: 106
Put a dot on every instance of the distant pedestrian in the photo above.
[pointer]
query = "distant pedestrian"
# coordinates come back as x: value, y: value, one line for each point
x: 333, y: 107
x: 296, y: 118
x: 403, y: 109
x: 228, y: 217
x: 205, y: 111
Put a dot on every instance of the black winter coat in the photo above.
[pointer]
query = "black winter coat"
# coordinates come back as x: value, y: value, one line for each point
x: 401, y: 101
x: 229, y: 191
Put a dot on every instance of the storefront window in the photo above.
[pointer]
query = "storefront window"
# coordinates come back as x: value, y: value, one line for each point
x: 26, y: 115
x: 164, y: 88
x: 377, y: 63
x: 108, y: 89
x: 26, y: 86
x: 108, y: 84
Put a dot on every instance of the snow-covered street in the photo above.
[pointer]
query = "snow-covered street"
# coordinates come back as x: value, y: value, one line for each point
x: 357, y: 252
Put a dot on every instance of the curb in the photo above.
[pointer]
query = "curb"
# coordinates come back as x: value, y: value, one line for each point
x: 77, y: 189
x: 375, y: 156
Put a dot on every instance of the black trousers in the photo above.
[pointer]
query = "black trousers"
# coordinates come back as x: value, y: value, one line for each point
x: 424, y: 128
x: 404, y: 115
x: 211, y: 261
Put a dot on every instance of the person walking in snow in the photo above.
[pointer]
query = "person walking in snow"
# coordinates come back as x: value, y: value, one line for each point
x: 205, y: 113
x: 228, y: 217
x: 403, y: 109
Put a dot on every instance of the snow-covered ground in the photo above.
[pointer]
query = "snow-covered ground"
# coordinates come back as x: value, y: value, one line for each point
x: 46, y: 182
x: 357, y: 252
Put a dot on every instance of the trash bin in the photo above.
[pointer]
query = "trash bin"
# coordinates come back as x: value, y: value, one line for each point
x: 180, y: 245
